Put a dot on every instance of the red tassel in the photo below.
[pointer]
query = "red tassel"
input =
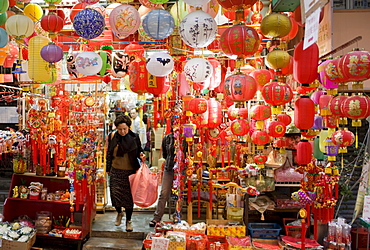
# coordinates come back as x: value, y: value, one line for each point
x: 199, y: 200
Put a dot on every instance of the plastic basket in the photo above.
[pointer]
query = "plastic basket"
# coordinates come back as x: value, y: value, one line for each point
x: 71, y: 235
x: 264, y: 230
x: 163, y: 227
x: 293, y: 231
x: 211, y: 244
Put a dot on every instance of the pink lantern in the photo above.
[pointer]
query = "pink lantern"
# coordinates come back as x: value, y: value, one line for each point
x: 214, y: 113
x: 124, y: 20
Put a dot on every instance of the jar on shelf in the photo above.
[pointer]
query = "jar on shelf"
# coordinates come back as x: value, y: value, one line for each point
x: 43, y: 222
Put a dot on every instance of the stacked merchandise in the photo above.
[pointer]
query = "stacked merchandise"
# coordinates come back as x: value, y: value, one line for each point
x: 339, y: 235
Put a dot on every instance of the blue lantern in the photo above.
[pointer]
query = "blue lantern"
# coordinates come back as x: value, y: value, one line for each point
x: 158, y: 24
x: 89, y: 23
x: 4, y: 38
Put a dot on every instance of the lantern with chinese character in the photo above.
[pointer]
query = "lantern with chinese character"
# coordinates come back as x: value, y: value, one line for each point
x: 157, y: 85
x: 160, y: 64
x: 260, y: 113
x: 324, y: 104
x: 331, y: 87
x: 138, y: 76
x: 234, y: 112
x: 335, y: 105
x: 214, y: 113
x: 305, y: 63
x: 356, y: 108
x: 276, y: 94
x: 240, y: 87
x: 304, y: 152
x: 276, y: 129
x: 334, y: 73
x: 343, y: 139
x: 134, y: 49
x: 262, y: 77
x: 198, y: 69
x: 331, y: 149
x: 260, y: 138
x: 260, y: 160
x: 276, y: 25
x: 236, y: 4
x: 304, y: 113
x: 239, y: 127
x: 197, y: 105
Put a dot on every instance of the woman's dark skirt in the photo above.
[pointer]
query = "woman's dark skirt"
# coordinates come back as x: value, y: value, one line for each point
x: 120, y: 190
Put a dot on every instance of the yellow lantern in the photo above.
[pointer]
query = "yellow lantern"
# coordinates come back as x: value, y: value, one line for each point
x: 19, y: 26
x: 276, y: 25
x: 38, y: 68
x: 33, y: 11
x: 277, y: 59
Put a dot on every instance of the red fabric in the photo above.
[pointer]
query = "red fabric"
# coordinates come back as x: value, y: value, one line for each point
x: 295, y: 242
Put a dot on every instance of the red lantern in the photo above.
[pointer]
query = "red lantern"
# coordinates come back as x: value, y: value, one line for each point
x: 293, y: 32
x: 232, y: 15
x: 282, y: 142
x: 52, y: 23
x: 214, y: 113
x: 260, y: 113
x: 331, y: 121
x: 310, y: 133
x: 260, y: 138
x: 234, y: 113
x: 220, y: 88
x: 260, y: 159
x: 236, y: 4
x: 277, y: 93
x: 304, y: 152
x: 256, y: 17
x: 324, y: 104
x: 138, y: 76
x: 335, y: 105
x: 276, y: 129
x: 356, y: 108
x: 284, y: 118
x: 304, y: 113
x: 334, y: 72
x: 302, y: 90
x: 355, y: 65
x: 157, y: 85
x: 343, y: 138
x: 240, y: 87
x: 262, y: 77
x: 240, y: 40
x: 197, y: 105
x: 239, y: 127
x: 305, y: 63
x: 134, y: 49
x: 288, y: 70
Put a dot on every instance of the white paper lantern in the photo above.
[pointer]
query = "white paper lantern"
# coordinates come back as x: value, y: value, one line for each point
x: 88, y: 63
x: 160, y: 64
x: 198, y: 70
x: 196, y: 3
x: 19, y: 26
x: 198, y: 29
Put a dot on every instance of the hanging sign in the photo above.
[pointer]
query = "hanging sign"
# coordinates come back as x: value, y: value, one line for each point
x: 311, y: 32
x: 309, y: 6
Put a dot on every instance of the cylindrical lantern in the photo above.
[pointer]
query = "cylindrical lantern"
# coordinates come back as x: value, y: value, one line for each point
x: 304, y: 152
x: 305, y: 63
x: 323, y: 136
x: 304, y: 113
x: 19, y: 26
x: 233, y: 112
x: 198, y: 69
x: 239, y: 127
x: 160, y: 64
x: 276, y: 94
x: 276, y: 25
x: 198, y: 29
x: 38, y: 69
x: 124, y: 20
x: 89, y: 23
x: 214, y: 113
x: 331, y: 150
x: 138, y: 76
x: 317, y: 154
x: 260, y: 113
x: 189, y: 131
x: 240, y: 87
x: 356, y: 107
x: 276, y: 129
x: 260, y: 138
x: 197, y: 105
x: 158, y: 24
x: 324, y: 104
x: 88, y: 63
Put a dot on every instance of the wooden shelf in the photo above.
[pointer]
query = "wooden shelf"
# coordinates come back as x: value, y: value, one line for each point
x: 38, y: 201
x: 42, y: 176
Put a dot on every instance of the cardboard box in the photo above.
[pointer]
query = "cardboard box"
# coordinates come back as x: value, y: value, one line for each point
x: 226, y: 228
x: 16, y: 245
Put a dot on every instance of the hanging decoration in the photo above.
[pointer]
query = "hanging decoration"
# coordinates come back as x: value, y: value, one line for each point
x: 19, y: 26
x: 88, y: 63
x: 158, y: 24
x: 160, y: 64
x: 275, y: 25
x: 52, y: 23
x: 124, y: 20
x: 89, y: 23
x: 33, y: 11
x: 277, y: 94
x: 240, y: 87
x: 198, y: 69
x: 4, y: 38
x: 236, y: 4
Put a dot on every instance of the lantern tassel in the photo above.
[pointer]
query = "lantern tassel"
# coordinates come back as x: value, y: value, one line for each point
x: 356, y: 139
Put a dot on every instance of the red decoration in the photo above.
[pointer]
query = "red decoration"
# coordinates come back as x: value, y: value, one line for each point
x: 305, y: 63
x: 52, y: 23
x: 157, y: 85
x: 262, y: 77
x: 239, y: 127
x: 355, y: 65
x: 138, y: 76
x: 107, y: 79
x: 197, y: 105
x: 333, y: 71
x: 214, y: 113
x: 304, y: 113
x: 134, y: 49
x: 234, y: 113
x: 236, y: 4
x: 256, y: 17
x: 324, y: 104
x: 284, y: 118
x: 336, y: 103
x: 293, y: 32
x: 260, y: 159
x: 260, y: 113
x: 276, y: 129
x: 240, y: 40
x: 240, y: 87
x: 277, y: 93
x: 288, y: 70
x: 260, y: 137
x: 304, y: 152
x: 331, y: 121
x: 302, y: 90
x: 282, y: 142
x: 356, y: 107
x: 220, y: 88
x: 232, y: 15
x: 343, y: 138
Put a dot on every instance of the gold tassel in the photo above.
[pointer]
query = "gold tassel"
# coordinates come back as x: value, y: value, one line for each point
x: 262, y: 216
x: 356, y: 139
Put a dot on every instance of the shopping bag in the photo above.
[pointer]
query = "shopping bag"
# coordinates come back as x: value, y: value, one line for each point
x: 144, y: 186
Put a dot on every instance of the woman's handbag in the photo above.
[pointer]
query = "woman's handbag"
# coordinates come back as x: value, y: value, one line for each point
x: 144, y: 186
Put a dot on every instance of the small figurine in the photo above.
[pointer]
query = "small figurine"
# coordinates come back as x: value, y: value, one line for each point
x: 15, y: 192
x: 23, y: 192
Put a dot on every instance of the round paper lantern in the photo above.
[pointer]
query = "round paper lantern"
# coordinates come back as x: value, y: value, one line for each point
x: 89, y: 23
x: 196, y: 3
x: 284, y: 118
x: 198, y: 70
x: 281, y: 142
x: 315, y: 96
x: 356, y: 107
x: 236, y: 4
x: 240, y: 40
x: 3, y: 17
x: 288, y: 70
x: 212, y: 8
x: 304, y: 152
x: 276, y: 94
x: 33, y: 11
x: 317, y: 154
x: 276, y: 129
x: 260, y: 137
x: 52, y: 53
x: 331, y: 121
x: 99, y: 8
x: 260, y: 113
x: 75, y: 9
x: 262, y: 76
x: 234, y: 113
x: 214, y: 113
x: 198, y: 29
x: 88, y: 63
x: 326, y: 83
x: 240, y: 87
x: 138, y: 76
x: 52, y: 23
x: 335, y: 105
x: 160, y: 64
x: 355, y: 65
x: 293, y: 31
x: 89, y: 2
x: 305, y: 63
x: 4, y: 38
x: 260, y: 159
x: 134, y: 49
x: 157, y: 85
x: 318, y: 122
x: 232, y: 14
x: 197, y: 105
x: 277, y: 59
x: 343, y: 138
x: 256, y: 17
x: 276, y: 25
x: 239, y: 127
x: 19, y: 26
x: 158, y: 24
x: 124, y: 20
x: 4, y: 5
x: 149, y: 4
x: 304, y: 113
x: 334, y: 72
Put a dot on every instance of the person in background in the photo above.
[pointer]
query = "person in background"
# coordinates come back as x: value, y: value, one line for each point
x: 124, y: 149
x: 138, y: 126
x: 168, y: 153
